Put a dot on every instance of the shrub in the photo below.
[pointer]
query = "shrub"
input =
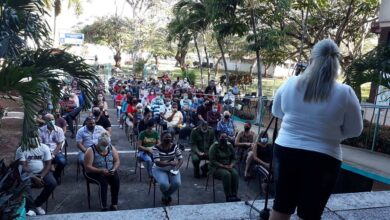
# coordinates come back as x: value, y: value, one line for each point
x: 190, y: 75
x: 365, y: 139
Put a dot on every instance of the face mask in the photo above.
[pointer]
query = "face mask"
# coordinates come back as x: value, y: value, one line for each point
x: 226, y: 116
x: 167, y: 104
x: 174, y: 109
x: 91, y: 128
x: 50, y: 124
x: 185, y: 97
x: 215, y: 109
x: 96, y: 113
x: 264, y: 140
x: 223, y: 141
x: 100, y: 98
x: 152, y: 93
x: 167, y: 140
x: 102, y: 148
x: 247, y: 128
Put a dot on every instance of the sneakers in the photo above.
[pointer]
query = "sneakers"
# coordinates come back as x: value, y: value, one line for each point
x: 40, y: 211
x: 120, y: 126
x: 31, y: 213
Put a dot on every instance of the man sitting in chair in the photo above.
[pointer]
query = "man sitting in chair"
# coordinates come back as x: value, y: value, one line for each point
x: 175, y: 120
x: 202, y: 137
x: 36, y: 164
x: 53, y: 137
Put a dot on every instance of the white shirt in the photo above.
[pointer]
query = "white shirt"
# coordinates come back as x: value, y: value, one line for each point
x: 34, y: 157
x: 175, y: 120
x: 318, y: 127
x: 51, y: 139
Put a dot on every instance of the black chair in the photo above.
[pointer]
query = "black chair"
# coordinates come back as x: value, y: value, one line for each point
x: 154, y: 182
x: 90, y: 181
x: 207, y: 182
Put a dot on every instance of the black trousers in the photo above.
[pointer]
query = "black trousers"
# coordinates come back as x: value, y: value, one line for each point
x: 103, y: 182
x: 303, y: 180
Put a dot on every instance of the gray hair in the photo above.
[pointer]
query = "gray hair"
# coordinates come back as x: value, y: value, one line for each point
x: 104, y: 139
x: 319, y: 77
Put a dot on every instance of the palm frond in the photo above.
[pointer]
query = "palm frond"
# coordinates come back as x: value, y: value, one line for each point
x: 43, y: 72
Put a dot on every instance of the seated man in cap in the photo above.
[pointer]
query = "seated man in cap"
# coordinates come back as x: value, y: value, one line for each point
x: 202, y: 137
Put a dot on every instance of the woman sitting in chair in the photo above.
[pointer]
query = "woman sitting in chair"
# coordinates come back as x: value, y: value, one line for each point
x: 167, y: 161
x: 221, y: 166
x: 101, y: 163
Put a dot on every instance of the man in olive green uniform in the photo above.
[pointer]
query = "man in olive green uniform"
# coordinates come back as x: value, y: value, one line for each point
x: 202, y: 137
x: 222, y: 160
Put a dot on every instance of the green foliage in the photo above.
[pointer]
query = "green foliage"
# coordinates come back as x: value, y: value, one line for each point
x: 115, y: 32
x: 139, y: 65
x: 37, y: 73
x: 190, y: 75
x: 11, y: 190
x: 369, y: 68
x: 365, y: 139
x: 21, y: 20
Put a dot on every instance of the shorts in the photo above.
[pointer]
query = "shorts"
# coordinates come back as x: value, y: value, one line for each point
x: 303, y: 180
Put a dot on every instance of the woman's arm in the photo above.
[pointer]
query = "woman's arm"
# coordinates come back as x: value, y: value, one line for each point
x: 117, y: 161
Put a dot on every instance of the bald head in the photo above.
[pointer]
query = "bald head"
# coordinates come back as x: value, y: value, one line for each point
x: 49, y: 117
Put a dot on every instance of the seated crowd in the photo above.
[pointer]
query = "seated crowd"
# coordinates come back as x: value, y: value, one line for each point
x: 178, y: 108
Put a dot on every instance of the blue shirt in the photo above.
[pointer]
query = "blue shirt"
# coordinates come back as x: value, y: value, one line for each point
x: 226, y: 127
x: 88, y: 138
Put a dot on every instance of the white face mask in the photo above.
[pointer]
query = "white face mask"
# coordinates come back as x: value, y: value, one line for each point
x: 264, y: 140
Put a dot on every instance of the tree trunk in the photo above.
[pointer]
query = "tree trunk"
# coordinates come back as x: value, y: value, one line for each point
x: 373, y: 91
x: 216, y: 66
x: 156, y: 60
x: 259, y: 80
x: 224, y: 62
x: 251, y: 67
x: 200, y: 60
x: 207, y: 58
x: 118, y: 58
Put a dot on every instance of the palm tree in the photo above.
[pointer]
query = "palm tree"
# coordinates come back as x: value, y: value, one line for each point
x: 33, y: 72
x: 196, y: 21
x: 57, y: 6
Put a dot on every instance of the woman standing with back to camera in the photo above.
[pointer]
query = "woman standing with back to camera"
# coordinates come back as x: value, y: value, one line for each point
x: 317, y: 113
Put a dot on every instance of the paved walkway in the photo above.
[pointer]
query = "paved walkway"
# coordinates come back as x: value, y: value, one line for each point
x: 351, y: 206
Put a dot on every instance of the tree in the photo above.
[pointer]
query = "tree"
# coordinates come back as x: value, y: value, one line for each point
x: 372, y: 67
x: 157, y: 45
x: 21, y: 20
x: 226, y: 20
x: 195, y: 21
x: 178, y: 32
x: 114, y: 32
x: 57, y: 6
x: 32, y: 72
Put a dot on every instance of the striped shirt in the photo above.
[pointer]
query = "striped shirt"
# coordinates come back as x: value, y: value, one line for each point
x: 160, y: 154
x: 155, y: 106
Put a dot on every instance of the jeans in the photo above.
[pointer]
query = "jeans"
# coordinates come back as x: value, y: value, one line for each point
x: 69, y: 117
x: 168, y: 182
x: 81, y: 157
x: 60, y: 162
x: 145, y: 157
x: 50, y: 184
x: 103, y: 182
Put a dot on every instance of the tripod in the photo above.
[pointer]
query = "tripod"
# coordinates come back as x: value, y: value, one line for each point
x: 264, y: 214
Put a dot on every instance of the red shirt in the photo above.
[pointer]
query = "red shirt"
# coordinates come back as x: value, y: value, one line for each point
x: 131, y: 109
x: 118, y: 99
x: 168, y: 94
